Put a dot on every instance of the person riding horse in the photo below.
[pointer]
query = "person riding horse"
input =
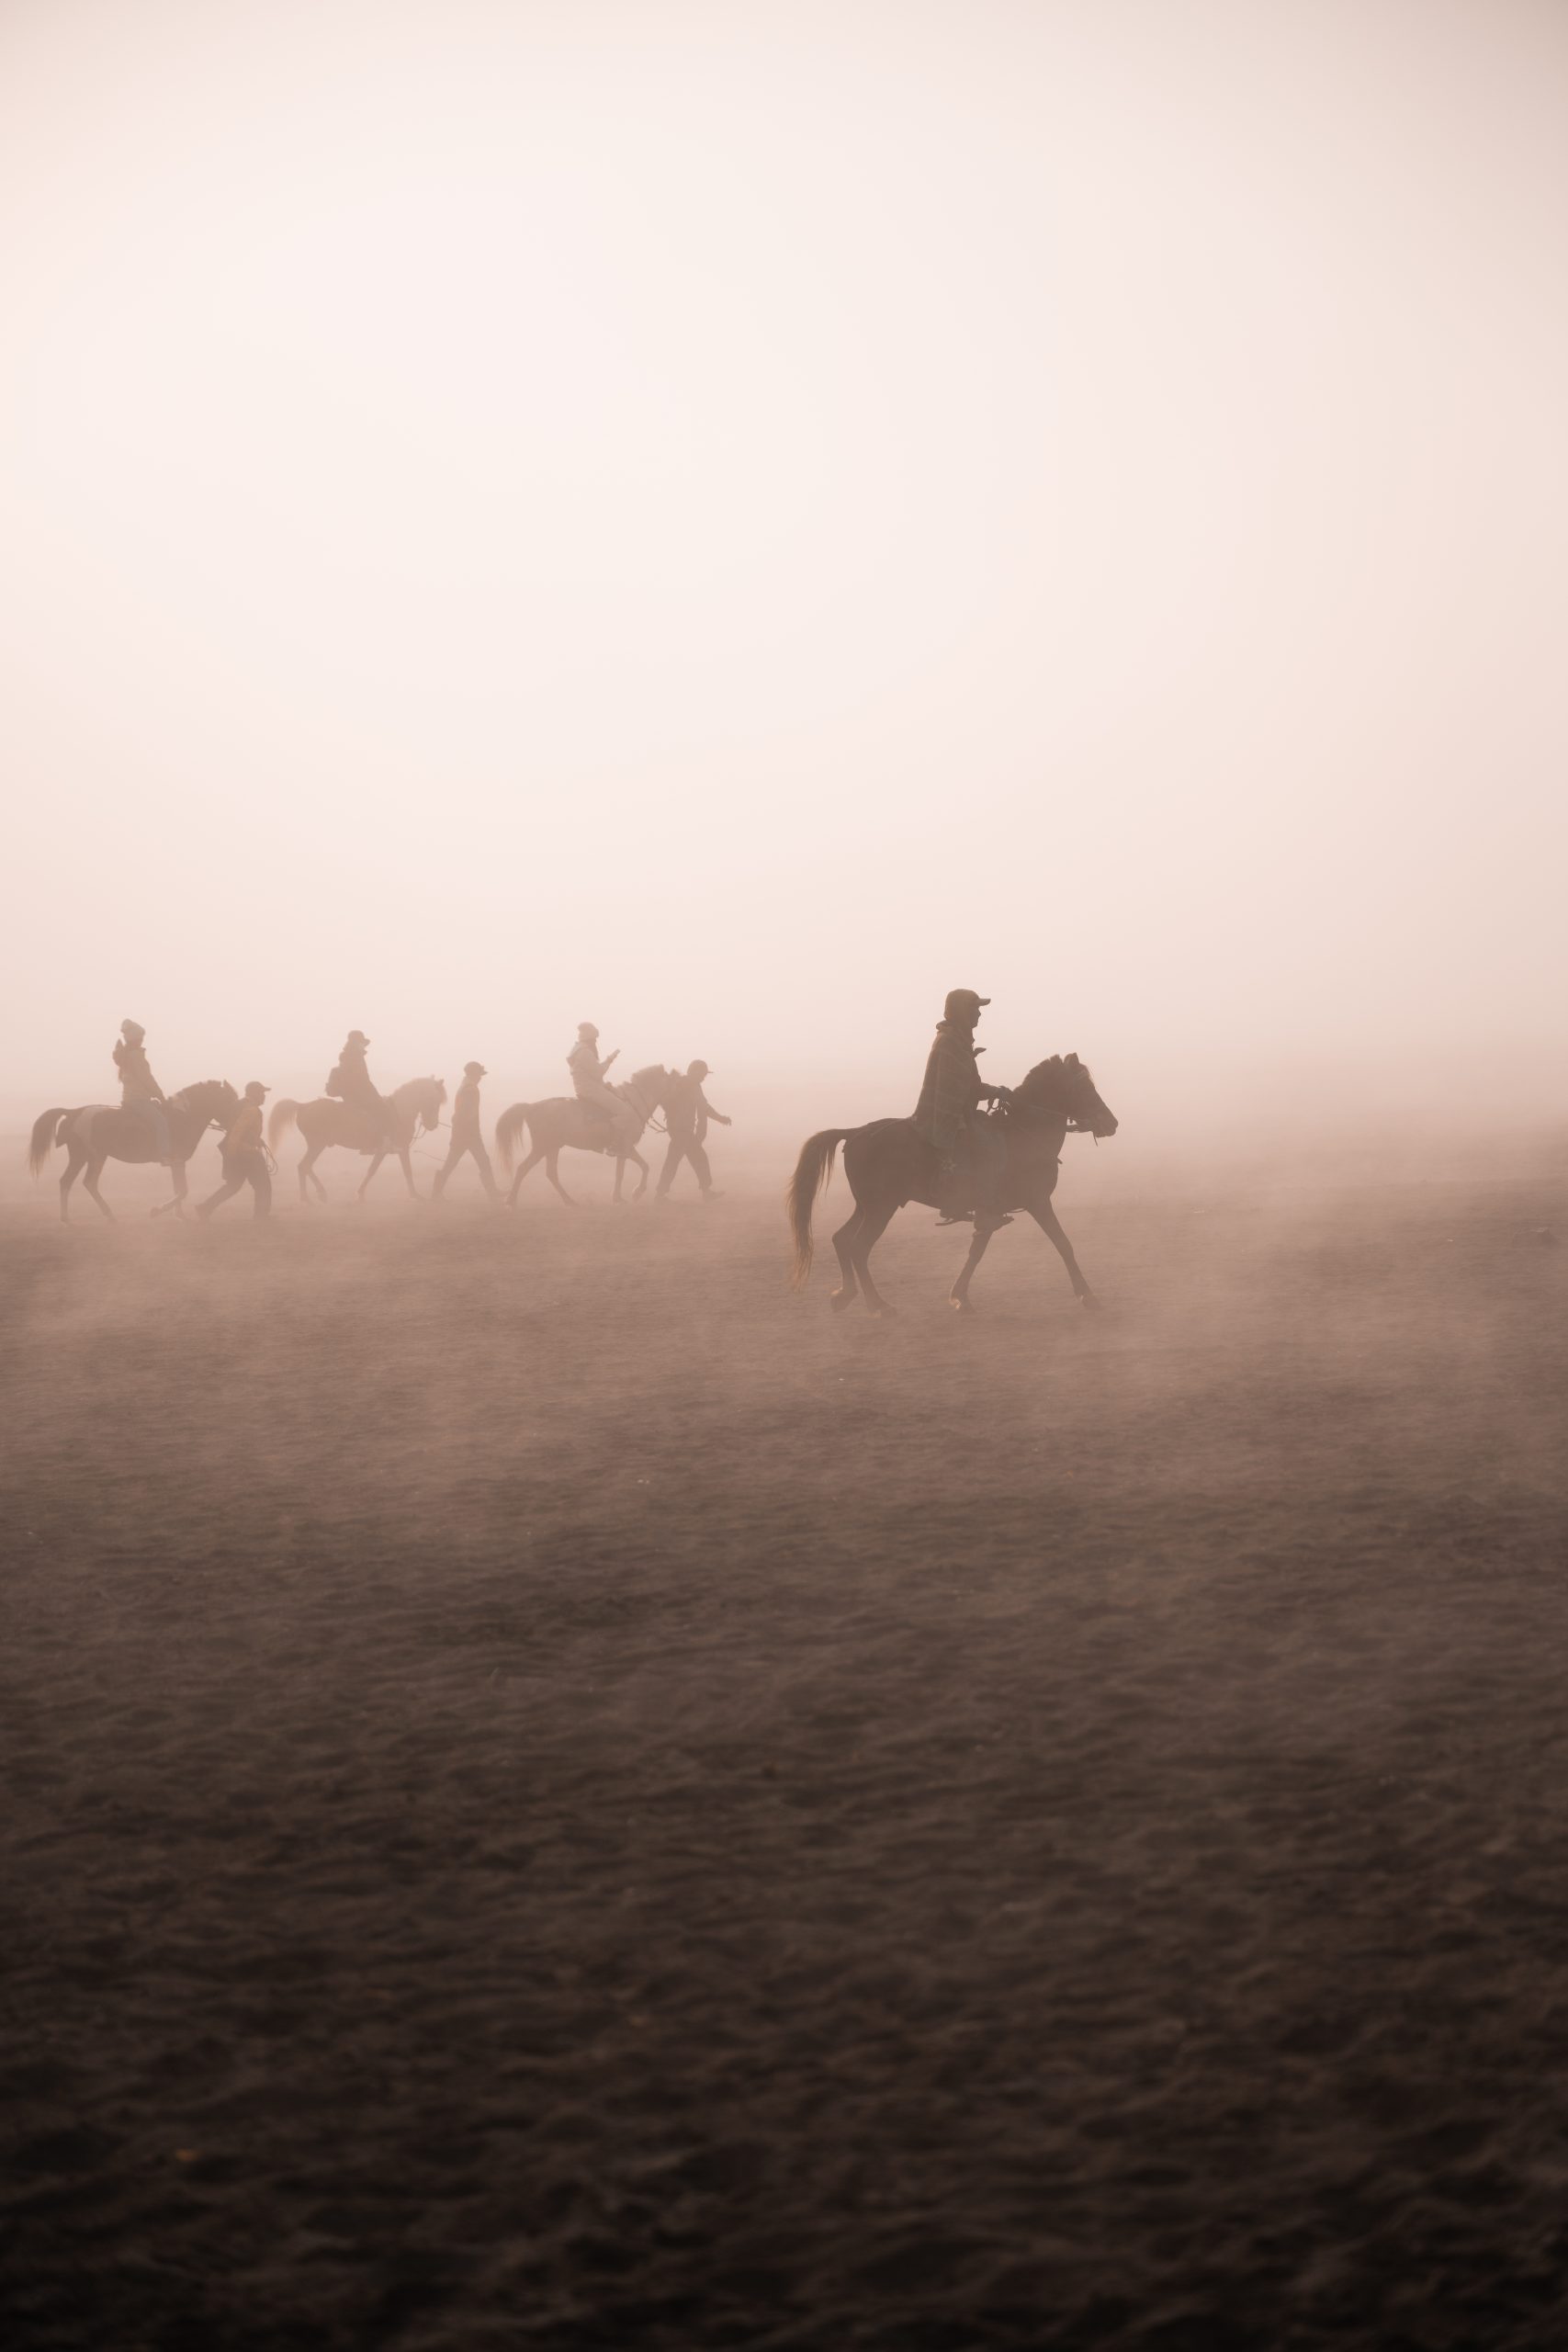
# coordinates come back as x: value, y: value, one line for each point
x: 350, y: 1081
x: 588, y: 1085
x: 139, y: 1090
x: 973, y: 1154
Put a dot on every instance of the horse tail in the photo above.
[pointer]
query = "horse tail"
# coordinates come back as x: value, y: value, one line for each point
x: 46, y: 1135
x: 812, y: 1170
x: 283, y: 1116
x: 508, y: 1128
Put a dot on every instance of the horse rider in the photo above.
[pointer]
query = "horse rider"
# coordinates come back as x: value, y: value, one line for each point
x: 588, y: 1085
x: 350, y: 1081
x: 467, y: 1136
x: 973, y: 1154
x: 245, y: 1157
x: 139, y: 1090
x: 686, y: 1115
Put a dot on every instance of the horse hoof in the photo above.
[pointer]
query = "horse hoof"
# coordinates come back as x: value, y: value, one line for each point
x: 1087, y: 1298
x: 839, y: 1299
x: 960, y: 1306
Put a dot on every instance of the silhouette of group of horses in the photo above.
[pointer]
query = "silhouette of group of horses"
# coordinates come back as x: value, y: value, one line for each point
x: 95, y: 1133
x: 889, y: 1162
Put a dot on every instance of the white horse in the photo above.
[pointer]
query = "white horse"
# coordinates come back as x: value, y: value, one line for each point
x: 561, y: 1123
x: 415, y: 1107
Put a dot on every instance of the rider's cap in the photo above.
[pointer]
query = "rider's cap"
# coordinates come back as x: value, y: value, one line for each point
x: 133, y: 1030
x: 475, y: 1070
x: 587, y: 1029
x: 962, y: 1001
x: 357, y: 1037
x: 255, y: 1089
x: 698, y: 1069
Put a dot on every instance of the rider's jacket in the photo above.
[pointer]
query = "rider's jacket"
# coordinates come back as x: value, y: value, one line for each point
x: 245, y: 1131
x: 137, y: 1083
x: 687, y: 1110
x: 587, y: 1071
x: 951, y: 1088
x: 466, y: 1112
x: 351, y: 1080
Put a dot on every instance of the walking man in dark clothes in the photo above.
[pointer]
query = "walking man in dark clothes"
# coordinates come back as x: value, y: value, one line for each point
x: 245, y: 1157
x: 686, y: 1115
x: 467, y: 1136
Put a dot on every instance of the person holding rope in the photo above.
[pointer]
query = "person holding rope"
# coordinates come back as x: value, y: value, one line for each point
x: 686, y: 1115
x: 245, y: 1157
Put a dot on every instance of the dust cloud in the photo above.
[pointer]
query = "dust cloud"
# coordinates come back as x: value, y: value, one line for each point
x: 523, y: 1734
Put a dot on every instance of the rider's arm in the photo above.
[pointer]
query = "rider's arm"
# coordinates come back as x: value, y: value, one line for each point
x: 608, y: 1060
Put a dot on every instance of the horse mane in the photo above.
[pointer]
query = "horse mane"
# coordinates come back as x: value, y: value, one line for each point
x: 1042, y: 1078
x: 412, y: 1085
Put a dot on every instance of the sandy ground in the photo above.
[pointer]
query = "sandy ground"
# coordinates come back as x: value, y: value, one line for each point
x: 559, y: 1795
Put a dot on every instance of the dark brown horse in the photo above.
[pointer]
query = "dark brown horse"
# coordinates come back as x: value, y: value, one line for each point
x: 98, y: 1131
x: 563, y: 1124
x: 890, y: 1163
x: 415, y: 1108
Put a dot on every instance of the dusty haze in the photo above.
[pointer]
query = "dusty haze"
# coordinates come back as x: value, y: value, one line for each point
x: 730, y: 522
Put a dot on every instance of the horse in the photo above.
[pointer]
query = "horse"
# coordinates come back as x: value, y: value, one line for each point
x: 415, y: 1107
x: 563, y: 1123
x: 889, y: 1162
x: 98, y: 1131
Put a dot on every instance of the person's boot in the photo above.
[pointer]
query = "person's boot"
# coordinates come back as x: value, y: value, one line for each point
x: 948, y: 1210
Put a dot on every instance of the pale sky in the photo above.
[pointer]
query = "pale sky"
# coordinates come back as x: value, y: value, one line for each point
x: 729, y: 520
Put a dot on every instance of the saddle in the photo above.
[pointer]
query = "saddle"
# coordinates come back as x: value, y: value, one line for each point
x: 598, y: 1127
x: 956, y: 1192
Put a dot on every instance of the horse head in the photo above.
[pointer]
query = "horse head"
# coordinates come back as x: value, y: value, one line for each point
x: 1064, y: 1087
x: 647, y: 1087
x: 211, y: 1099
x: 423, y: 1097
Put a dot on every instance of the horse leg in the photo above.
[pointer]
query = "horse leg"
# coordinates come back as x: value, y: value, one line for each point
x: 376, y: 1163
x: 95, y: 1170
x: 551, y: 1161
x: 958, y: 1296
x: 1050, y: 1226
x: 408, y: 1174
x: 620, y: 1171
x: 74, y: 1164
x: 642, y: 1175
x: 873, y: 1225
x: 532, y: 1162
x: 843, y: 1242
